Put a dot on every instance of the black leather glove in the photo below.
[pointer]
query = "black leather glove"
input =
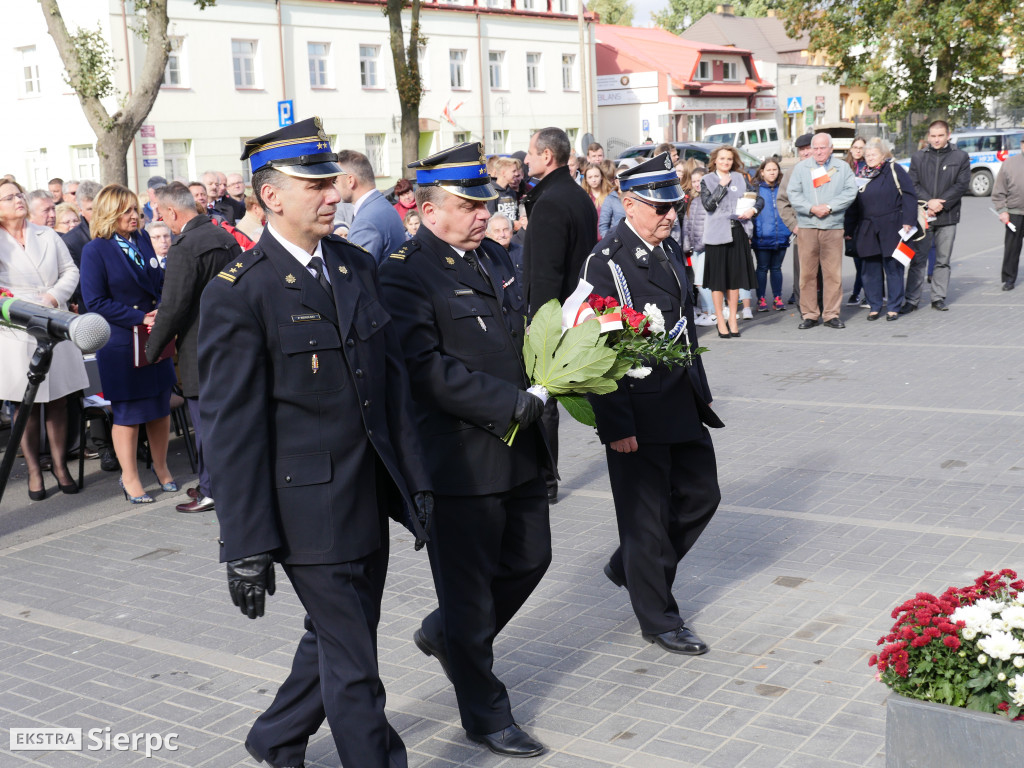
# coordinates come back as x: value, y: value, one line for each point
x: 529, y: 408
x: 249, y: 579
x: 424, y: 501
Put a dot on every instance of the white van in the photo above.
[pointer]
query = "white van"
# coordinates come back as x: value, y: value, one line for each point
x: 758, y: 137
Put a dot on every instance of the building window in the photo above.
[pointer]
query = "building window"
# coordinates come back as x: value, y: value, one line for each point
x: 243, y: 58
x: 572, y: 133
x: 457, y: 68
x: 704, y: 70
x: 533, y: 71
x: 820, y: 80
x: 460, y: 137
x: 569, y: 71
x: 176, y: 160
x: 793, y: 79
x: 499, y: 142
x: 174, y: 72
x: 563, y: 6
x: 496, y: 68
x: 368, y: 65
x: 85, y: 163
x: 526, y: 5
x: 319, y: 64
x: 376, y: 153
x: 29, y: 71
x: 730, y: 71
x: 423, y: 61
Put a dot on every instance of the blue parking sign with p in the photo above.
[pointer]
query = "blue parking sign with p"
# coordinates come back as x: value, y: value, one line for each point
x: 285, y: 113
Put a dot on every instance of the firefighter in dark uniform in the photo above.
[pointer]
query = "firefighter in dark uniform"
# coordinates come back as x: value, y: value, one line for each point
x: 661, y: 462
x: 311, y: 446
x: 460, y: 319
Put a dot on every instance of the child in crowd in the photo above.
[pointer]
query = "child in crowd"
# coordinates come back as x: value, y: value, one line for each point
x: 693, y: 246
x: 412, y: 223
x: 771, y: 236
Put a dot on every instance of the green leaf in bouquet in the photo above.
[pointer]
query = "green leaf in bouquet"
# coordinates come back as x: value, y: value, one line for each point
x: 579, y: 408
x: 618, y: 369
x: 579, y: 357
x: 545, y: 333
x: 596, y: 386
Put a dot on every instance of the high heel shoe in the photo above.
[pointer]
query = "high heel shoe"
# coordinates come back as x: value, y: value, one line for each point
x: 725, y: 335
x: 71, y: 487
x: 734, y: 334
x: 170, y: 486
x: 38, y: 495
x: 145, y: 498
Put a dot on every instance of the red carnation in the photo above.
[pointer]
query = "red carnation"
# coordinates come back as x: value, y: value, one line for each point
x: 920, y: 642
x: 951, y: 641
x: 1003, y: 706
x: 610, y: 303
x: 596, y: 302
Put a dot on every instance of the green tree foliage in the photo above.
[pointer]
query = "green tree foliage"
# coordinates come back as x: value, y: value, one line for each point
x: 936, y: 57
x: 613, y: 11
x: 682, y: 13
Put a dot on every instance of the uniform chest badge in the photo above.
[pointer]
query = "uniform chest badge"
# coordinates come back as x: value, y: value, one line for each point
x: 606, y: 251
x: 289, y: 278
x: 639, y: 252
x: 315, y: 364
x: 450, y: 260
x: 343, y: 269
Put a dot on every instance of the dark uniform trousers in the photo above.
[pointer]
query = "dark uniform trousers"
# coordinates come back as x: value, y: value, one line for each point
x: 312, y: 445
x: 461, y: 323
x: 665, y: 492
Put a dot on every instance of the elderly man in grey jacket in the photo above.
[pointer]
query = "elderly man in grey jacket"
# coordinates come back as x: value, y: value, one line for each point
x: 821, y: 188
x: 1008, y: 199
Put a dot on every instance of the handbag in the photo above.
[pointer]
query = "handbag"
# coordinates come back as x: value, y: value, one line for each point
x: 922, y: 221
x: 140, y: 335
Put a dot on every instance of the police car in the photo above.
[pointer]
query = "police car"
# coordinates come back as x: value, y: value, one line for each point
x: 987, y: 150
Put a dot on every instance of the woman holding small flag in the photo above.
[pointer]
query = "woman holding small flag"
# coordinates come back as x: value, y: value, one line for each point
x: 883, y: 220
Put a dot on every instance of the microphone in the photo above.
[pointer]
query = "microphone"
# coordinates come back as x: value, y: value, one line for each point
x: 88, y: 332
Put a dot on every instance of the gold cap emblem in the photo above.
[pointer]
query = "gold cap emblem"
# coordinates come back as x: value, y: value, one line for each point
x: 343, y: 269
x: 449, y: 259
x: 289, y: 278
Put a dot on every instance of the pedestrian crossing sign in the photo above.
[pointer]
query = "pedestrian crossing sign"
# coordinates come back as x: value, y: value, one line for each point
x: 794, y: 105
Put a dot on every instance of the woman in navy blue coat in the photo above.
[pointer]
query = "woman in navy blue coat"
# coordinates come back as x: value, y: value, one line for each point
x: 121, y: 280
x: 884, y: 208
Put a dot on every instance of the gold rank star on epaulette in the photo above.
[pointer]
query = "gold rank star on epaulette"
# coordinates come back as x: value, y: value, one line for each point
x: 405, y: 251
x: 235, y: 270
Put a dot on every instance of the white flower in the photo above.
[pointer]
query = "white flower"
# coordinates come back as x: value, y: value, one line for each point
x: 975, y: 616
x: 1018, y: 662
x: 639, y: 373
x: 990, y: 605
x: 1001, y: 645
x: 1001, y: 677
x: 969, y: 634
x: 1013, y: 617
x: 1017, y: 695
x: 983, y: 659
x: 656, y: 321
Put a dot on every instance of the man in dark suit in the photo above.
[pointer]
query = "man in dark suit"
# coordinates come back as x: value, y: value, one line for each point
x: 561, y: 232
x: 462, y: 332
x: 376, y: 226
x: 78, y: 237
x: 310, y: 444
x: 201, y: 250
x: 218, y: 201
x: 661, y: 462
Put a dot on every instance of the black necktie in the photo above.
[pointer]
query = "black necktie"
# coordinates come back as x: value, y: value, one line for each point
x: 320, y: 269
x: 471, y: 259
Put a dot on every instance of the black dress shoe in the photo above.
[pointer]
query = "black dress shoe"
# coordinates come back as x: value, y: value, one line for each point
x: 202, y: 504
x: 108, y: 462
x: 429, y: 649
x: 808, y: 323
x: 613, y: 577
x: 680, y: 640
x: 1008, y: 285
x: 940, y: 305
x: 906, y: 309
x: 835, y: 322
x: 510, y: 742
x: 260, y: 759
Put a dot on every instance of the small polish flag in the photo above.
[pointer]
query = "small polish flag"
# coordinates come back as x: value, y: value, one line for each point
x: 584, y: 313
x: 820, y: 177
x: 904, y: 253
x: 610, y: 322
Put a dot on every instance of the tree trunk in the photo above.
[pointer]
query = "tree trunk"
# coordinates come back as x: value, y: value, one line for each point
x: 407, y: 78
x: 112, y: 149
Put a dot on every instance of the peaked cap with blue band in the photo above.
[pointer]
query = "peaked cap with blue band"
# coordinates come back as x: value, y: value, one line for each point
x: 301, y: 149
x: 459, y: 170
x: 654, y: 180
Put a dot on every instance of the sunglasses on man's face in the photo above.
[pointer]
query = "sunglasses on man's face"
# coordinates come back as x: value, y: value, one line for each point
x: 661, y: 209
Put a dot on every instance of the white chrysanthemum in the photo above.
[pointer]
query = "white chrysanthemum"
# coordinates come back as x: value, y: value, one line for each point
x: 1013, y: 617
x: 969, y: 634
x: 1001, y: 645
x: 1018, y: 662
x: 990, y: 605
x: 1017, y: 693
x: 656, y: 321
x: 974, y: 616
x: 995, y: 625
x: 639, y: 373
x: 1019, y: 597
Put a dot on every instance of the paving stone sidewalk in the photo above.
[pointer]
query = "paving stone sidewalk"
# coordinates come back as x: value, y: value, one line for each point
x: 857, y: 467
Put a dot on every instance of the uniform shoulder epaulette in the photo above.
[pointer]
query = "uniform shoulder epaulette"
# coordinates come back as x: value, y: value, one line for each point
x: 234, y: 270
x: 342, y: 241
x: 408, y: 248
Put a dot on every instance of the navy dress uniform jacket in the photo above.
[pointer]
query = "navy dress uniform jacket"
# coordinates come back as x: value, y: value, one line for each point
x: 297, y: 394
x: 200, y: 252
x: 463, y: 339
x: 669, y: 405
x: 122, y: 294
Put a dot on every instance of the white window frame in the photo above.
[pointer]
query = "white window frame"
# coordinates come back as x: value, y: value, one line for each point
x: 535, y: 71
x: 563, y: 6
x: 376, y: 145
x: 457, y: 69
x: 496, y: 71
x: 423, y: 59
x: 176, y: 62
x: 459, y: 137
x: 704, y: 70
x: 569, y: 79
x: 526, y: 5
x: 85, y: 162
x: 369, y: 67
x: 320, y: 65
x: 499, y: 141
x: 178, y: 158
x: 238, y: 59
x: 29, y: 85
x: 730, y: 67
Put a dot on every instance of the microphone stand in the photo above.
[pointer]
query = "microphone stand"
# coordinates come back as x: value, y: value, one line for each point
x: 37, y: 370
